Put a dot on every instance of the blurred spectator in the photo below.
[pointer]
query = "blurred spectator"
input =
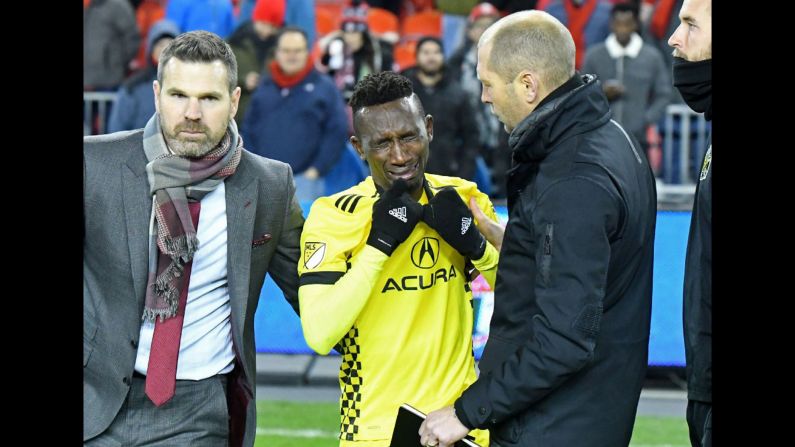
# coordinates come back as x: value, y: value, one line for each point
x: 511, y: 6
x: 352, y: 53
x: 110, y: 40
x: 297, y: 116
x: 454, y: 146
x: 147, y: 13
x: 587, y: 20
x: 480, y: 17
x: 135, y: 102
x: 300, y: 13
x: 659, y: 23
x: 411, y: 7
x: 253, y: 43
x: 632, y: 74
x: 392, y: 6
x: 209, y: 15
x: 463, y: 67
x: 246, y: 7
x: 454, y: 19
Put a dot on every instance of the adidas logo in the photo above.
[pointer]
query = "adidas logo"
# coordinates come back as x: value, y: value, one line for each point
x: 399, y: 213
x: 465, y: 223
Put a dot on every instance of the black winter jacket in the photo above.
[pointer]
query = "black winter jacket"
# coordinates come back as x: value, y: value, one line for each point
x: 697, y: 307
x: 455, y: 133
x: 568, y: 345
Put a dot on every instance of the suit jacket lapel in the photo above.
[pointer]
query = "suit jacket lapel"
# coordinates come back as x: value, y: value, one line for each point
x: 137, y: 204
x: 241, y: 204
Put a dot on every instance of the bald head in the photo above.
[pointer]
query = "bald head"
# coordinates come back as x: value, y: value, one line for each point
x: 530, y: 40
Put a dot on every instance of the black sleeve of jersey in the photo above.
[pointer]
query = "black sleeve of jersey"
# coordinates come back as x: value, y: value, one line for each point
x: 319, y: 278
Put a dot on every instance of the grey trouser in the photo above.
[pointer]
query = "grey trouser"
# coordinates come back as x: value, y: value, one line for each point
x: 197, y: 415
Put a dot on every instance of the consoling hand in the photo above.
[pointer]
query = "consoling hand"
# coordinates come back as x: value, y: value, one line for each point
x: 492, y: 230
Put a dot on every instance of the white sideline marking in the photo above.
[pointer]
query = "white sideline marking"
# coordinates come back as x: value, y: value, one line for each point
x: 310, y: 433
x: 664, y: 394
x: 297, y: 433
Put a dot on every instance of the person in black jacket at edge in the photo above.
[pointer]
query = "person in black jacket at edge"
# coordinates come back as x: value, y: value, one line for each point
x: 568, y: 344
x: 455, y: 131
x: 692, y: 73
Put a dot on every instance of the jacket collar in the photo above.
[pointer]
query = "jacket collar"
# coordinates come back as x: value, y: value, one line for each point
x: 573, y: 108
x: 616, y: 50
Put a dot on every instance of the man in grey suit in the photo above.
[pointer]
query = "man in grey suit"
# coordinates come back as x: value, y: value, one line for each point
x: 181, y: 226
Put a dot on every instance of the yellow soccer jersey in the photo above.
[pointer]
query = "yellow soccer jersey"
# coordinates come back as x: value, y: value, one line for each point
x: 410, y: 340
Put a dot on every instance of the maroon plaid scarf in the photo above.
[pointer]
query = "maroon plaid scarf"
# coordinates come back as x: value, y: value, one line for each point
x: 173, y: 181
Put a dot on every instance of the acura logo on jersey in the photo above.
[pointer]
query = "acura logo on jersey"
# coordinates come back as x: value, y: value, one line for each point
x: 425, y: 252
x: 419, y: 282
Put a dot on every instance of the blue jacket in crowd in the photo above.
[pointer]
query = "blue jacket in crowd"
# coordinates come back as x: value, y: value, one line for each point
x: 598, y: 27
x: 304, y: 125
x: 216, y: 16
x: 135, y: 101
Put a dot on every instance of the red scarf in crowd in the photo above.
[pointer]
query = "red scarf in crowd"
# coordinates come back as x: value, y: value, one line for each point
x: 287, y: 81
x: 578, y: 18
x: 661, y: 18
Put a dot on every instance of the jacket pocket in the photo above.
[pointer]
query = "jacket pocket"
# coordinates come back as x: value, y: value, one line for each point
x: 508, y: 432
x: 262, y: 240
x: 546, y: 256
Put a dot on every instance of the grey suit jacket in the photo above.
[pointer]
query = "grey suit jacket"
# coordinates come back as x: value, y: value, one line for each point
x: 264, y: 223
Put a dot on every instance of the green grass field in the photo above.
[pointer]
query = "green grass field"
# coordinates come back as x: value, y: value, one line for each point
x: 305, y: 424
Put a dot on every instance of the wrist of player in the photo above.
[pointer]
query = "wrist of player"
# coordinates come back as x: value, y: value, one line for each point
x: 478, y: 248
x: 382, y: 241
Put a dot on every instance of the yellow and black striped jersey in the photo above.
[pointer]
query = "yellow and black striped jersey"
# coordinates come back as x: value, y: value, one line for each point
x: 409, y: 338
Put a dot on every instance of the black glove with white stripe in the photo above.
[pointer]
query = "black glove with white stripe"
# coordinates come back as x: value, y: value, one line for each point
x: 395, y: 214
x: 447, y: 213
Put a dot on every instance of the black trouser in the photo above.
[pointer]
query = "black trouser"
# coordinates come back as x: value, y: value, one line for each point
x: 699, y: 421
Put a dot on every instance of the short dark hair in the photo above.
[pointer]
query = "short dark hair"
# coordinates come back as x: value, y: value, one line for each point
x: 625, y: 7
x: 291, y: 29
x: 425, y: 39
x: 200, y: 46
x: 380, y: 88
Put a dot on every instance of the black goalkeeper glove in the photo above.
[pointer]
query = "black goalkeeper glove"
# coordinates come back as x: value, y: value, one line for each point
x: 395, y: 214
x: 449, y: 216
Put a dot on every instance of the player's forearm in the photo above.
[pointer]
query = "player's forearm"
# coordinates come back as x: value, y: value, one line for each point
x: 487, y: 264
x: 329, y: 310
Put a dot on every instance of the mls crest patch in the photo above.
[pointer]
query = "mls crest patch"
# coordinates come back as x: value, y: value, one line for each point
x: 707, y: 163
x: 313, y: 254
